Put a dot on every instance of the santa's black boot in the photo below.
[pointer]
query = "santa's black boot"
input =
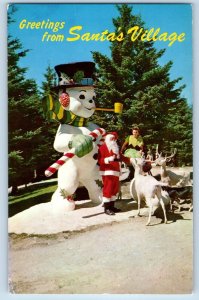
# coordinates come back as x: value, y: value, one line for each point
x: 107, y: 209
x: 113, y: 208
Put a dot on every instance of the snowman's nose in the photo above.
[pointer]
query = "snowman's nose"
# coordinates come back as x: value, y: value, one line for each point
x: 90, y: 101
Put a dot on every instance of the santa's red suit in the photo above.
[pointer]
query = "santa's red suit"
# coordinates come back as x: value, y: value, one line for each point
x: 108, y: 160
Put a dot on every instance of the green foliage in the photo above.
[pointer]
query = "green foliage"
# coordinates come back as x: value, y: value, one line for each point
x: 24, y: 120
x: 50, y: 80
x: 16, y: 160
x: 27, y: 128
x: 78, y: 76
x: 133, y: 76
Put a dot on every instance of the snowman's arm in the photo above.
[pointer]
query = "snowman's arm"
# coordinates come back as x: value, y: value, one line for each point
x: 68, y: 135
x: 62, y: 140
x: 92, y: 126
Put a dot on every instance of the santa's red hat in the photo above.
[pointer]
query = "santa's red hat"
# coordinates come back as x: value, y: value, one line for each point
x: 114, y: 133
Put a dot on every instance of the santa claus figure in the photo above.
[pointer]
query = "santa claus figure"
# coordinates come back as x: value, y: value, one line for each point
x: 108, y: 160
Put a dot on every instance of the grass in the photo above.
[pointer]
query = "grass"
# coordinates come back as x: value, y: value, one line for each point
x: 32, y: 192
x: 36, y: 194
x: 30, y: 196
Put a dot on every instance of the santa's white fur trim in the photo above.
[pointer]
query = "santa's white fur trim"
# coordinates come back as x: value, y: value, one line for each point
x: 106, y: 160
x: 106, y: 200
x: 113, y: 198
x: 110, y: 172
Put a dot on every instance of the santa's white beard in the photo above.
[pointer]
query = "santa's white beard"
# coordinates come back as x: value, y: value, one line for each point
x: 112, y: 146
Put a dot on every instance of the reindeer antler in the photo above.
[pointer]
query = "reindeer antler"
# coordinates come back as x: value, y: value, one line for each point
x: 156, y: 151
x: 157, y: 154
x: 163, y: 159
x: 171, y: 156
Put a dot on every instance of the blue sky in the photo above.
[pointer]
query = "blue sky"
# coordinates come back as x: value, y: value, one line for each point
x: 96, y: 18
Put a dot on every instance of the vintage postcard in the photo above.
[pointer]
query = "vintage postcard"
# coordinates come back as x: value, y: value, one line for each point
x: 100, y: 150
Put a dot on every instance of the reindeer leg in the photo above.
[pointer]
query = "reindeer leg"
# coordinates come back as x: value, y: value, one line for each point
x: 164, y: 210
x: 139, y: 200
x: 150, y: 212
x: 170, y: 205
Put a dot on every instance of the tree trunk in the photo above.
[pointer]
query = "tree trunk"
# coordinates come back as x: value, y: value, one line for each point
x: 14, y: 190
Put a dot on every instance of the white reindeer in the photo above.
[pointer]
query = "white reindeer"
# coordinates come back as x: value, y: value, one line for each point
x: 169, y: 177
x: 146, y: 186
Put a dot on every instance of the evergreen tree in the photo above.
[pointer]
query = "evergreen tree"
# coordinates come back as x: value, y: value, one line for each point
x: 49, y: 129
x: 133, y: 76
x: 24, y: 118
x: 50, y: 80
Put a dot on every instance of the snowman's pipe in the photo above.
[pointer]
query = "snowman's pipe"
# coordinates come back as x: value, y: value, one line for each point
x: 105, y: 109
x: 117, y: 108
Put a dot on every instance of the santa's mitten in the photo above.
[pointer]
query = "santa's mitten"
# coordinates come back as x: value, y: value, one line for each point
x: 109, y: 159
x: 83, y: 144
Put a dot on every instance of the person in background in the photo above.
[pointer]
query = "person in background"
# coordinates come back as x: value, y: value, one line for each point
x: 133, y: 146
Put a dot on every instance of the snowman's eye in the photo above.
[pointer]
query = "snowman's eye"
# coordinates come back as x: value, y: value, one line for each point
x: 94, y: 98
x: 81, y: 97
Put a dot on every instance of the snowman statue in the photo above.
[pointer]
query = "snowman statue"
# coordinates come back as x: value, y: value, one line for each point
x: 71, y: 103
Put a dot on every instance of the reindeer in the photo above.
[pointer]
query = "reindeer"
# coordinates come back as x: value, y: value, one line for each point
x: 168, y: 177
x: 146, y: 186
x: 174, y: 180
x: 180, y: 197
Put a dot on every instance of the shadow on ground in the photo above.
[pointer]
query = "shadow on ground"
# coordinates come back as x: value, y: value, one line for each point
x: 172, y: 216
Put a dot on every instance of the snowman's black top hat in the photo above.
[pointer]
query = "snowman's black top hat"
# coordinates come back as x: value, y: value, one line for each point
x: 76, y: 74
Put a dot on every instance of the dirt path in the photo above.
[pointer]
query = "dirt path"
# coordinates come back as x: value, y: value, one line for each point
x: 124, y: 258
